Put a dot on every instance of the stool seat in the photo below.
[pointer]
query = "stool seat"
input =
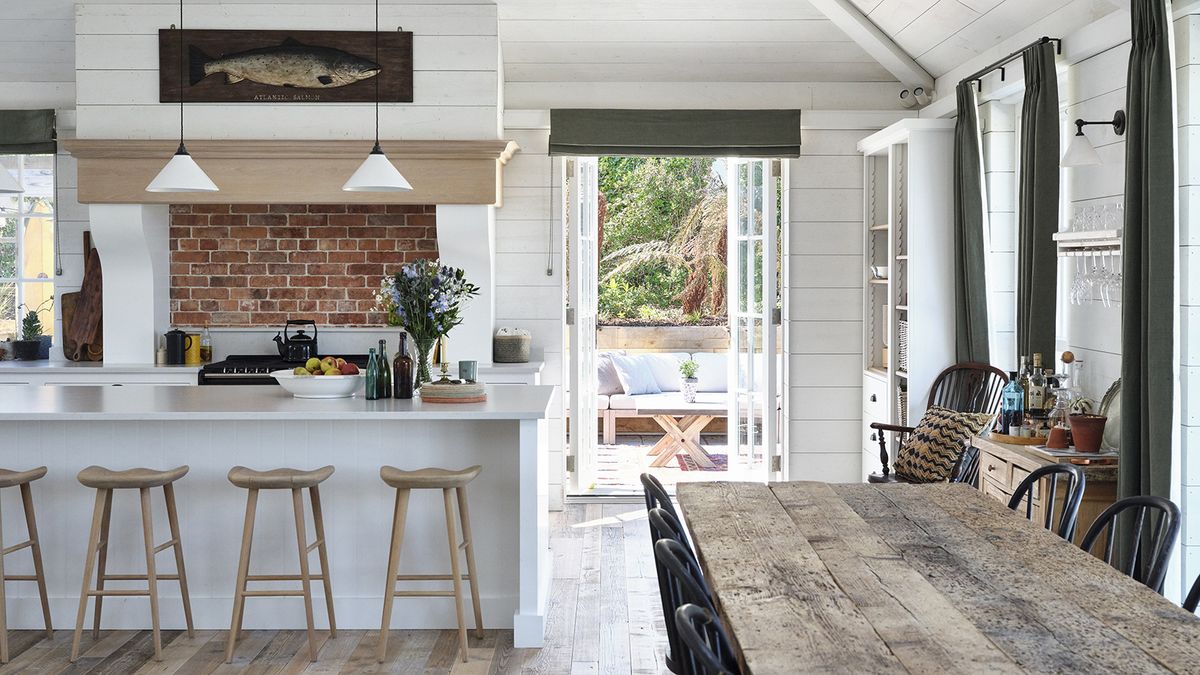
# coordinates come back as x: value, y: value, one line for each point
x: 106, y: 479
x: 430, y: 478
x: 9, y: 478
x: 278, y: 479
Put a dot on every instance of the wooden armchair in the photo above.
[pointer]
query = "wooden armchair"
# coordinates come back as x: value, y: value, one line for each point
x: 965, y: 387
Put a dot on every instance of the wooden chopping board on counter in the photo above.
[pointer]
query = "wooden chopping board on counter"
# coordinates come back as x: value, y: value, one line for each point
x: 82, y: 311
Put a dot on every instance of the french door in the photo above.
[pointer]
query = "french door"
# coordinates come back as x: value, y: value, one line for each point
x: 580, y: 203
x: 753, y: 302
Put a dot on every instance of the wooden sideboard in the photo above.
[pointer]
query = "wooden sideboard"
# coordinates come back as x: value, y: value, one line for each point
x: 1002, y: 467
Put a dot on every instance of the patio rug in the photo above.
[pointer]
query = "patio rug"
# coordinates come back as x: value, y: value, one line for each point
x: 686, y: 463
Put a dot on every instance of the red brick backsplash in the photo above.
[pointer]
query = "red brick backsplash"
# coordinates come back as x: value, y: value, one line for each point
x: 262, y: 264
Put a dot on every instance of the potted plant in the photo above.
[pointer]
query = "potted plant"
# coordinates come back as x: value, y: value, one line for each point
x: 29, y: 347
x: 688, y: 370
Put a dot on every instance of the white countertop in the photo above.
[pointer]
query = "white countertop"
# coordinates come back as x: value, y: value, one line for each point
x: 45, y: 365
x: 267, y: 402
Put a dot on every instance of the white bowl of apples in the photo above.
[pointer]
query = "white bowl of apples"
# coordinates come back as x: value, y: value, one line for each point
x: 330, y: 377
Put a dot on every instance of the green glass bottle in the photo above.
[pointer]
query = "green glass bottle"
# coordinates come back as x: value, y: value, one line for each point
x: 384, y: 385
x: 372, y: 384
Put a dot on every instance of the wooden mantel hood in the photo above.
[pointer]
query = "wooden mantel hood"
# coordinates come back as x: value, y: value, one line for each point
x: 292, y: 172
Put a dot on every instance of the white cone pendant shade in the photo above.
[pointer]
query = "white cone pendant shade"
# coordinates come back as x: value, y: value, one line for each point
x: 8, y: 183
x: 1080, y: 152
x: 182, y: 174
x: 377, y: 174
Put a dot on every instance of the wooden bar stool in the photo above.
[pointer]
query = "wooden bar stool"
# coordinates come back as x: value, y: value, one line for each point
x: 446, y: 481
x: 296, y: 481
x: 22, y: 479
x: 142, y: 480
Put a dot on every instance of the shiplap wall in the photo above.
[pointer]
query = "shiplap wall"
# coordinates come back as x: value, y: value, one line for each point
x: 1093, y: 89
x: 998, y: 124
x: 825, y: 294
x: 1187, y: 63
x: 528, y: 242
x: 456, y: 78
x: 37, y: 54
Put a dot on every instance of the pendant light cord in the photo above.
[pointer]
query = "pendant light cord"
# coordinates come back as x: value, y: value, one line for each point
x: 378, y: 74
x: 182, y: 63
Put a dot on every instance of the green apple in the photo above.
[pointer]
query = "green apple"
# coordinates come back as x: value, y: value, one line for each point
x: 312, y: 364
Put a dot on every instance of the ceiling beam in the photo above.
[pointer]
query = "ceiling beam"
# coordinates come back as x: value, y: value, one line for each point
x: 860, y: 29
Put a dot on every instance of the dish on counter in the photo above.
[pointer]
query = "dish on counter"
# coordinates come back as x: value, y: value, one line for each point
x: 325, y: 386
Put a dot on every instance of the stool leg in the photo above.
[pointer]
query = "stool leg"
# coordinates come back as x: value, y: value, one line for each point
x: 454, y: 573
x: 305, y: 579
x: 102, y: 564
x: 314, y: 496
x: 389, y: 594
x: 173, y: 521
x: 102, y: 499
x: 239, y: 593
x: 464, y: 515
x: 151, y: 571
x: 3, y: 604
x: 36, y: 550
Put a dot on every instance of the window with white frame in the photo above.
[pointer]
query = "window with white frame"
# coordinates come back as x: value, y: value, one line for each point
x: 27, y: 222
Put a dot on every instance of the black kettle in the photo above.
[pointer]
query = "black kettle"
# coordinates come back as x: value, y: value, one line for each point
x: 299, y: 346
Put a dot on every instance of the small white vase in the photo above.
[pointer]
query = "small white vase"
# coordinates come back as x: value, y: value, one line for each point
x: 689, y: 389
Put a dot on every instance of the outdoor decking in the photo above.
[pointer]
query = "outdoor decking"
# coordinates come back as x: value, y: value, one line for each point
x: 619, y: 465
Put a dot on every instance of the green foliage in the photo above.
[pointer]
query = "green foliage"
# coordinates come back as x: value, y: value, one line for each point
x: 662, y: 250
x: 688, y: 368
x: 31, y: 324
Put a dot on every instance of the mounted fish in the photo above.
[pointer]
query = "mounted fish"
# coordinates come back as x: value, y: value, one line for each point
x: 291, y: 64
x: 285, y: 66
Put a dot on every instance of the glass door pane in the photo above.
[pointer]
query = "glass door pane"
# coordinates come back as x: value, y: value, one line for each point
x: 752, y: 279
x: 581, y: 180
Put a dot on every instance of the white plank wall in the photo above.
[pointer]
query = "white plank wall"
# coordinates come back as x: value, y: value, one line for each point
x: 528, y: 242
x: 36, y: 54
x: 998, y: 123
x: 825, y: 304
x: 455, y: 72
x: 1094, y: 89
x: 1187, y: 63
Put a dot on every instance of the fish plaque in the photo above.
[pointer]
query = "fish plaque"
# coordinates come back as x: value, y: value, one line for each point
x: 265, y: 66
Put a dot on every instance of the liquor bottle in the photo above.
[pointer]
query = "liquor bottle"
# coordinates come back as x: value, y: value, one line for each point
x: 372, y: 386
x: 402, y: 370
x: 206, y: 347
x: 1037, y: 386
x: 1023, y: 379
x: 1012, y: 406
x: 385, y: 372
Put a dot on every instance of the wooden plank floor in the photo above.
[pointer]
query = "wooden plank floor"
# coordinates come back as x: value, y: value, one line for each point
x: 604, y: 617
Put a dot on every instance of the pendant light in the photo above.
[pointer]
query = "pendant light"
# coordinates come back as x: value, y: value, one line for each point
x: 8, y: 184
x: 377, y: 173
x: 181, y: 174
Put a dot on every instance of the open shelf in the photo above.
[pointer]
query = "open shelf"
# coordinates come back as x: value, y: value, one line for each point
x: 880, y: 227
x: 902, y: 257
x: 901, y: 308
x: 902, y: 373
x: 879, y: 282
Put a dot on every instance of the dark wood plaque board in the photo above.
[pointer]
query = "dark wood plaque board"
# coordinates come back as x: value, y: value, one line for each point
x: 395, y: 60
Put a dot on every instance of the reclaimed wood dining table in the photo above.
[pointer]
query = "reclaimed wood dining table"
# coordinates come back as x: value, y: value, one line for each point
x: 936, y: 578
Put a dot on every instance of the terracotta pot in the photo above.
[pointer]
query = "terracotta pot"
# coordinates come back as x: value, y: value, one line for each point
x: 1088, y: 431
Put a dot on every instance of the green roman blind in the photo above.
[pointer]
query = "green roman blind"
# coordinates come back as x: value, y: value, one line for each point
x: 702, y: 133
x: 27, y: 132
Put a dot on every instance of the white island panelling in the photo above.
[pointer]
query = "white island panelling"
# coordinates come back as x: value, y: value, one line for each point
x: 214, y: 428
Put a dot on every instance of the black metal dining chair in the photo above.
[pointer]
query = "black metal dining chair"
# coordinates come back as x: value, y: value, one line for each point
x: 706, y: 647
x: 1072, y: 496
x: 664, y: 526
x: 1147, y: 565
x: 967, y: 469
x: 1193, y: 597
x: 656, y: 495
x: 685, y: 584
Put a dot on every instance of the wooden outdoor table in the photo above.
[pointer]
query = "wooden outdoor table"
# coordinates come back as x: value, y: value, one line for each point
x: 684, y: 434
x: 814, y: 577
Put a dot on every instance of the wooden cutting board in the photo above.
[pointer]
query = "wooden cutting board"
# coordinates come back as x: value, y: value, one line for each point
x: 82, y: 312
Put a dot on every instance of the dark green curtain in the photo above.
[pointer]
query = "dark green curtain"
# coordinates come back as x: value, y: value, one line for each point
x: 970, y: 283
x: 1148, y: 294
x: 27, y: 132
x: 1037, y: 208
x: 697, y: 133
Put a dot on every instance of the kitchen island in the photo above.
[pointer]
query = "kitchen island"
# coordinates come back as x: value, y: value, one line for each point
x: 211, y: 429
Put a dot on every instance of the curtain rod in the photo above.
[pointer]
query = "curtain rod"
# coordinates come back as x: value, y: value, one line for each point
x: 977, y: 76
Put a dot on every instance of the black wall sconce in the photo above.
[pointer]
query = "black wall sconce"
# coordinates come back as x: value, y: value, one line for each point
x: 1080, y: 151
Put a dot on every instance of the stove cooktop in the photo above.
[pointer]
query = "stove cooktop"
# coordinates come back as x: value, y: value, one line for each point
x: 255, y: 368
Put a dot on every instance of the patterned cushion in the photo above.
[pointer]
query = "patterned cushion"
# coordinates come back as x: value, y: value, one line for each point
x: 930, y: 451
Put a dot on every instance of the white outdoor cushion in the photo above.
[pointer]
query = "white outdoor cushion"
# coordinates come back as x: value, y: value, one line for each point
x: 635, y: 376
x: 713, y: 373
x: 664, y: 366
x: 622, y: 402
x: 602, y: 402
x: 607, y: 380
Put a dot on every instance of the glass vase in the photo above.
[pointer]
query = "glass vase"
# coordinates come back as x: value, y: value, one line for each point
x: 424, y: 354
